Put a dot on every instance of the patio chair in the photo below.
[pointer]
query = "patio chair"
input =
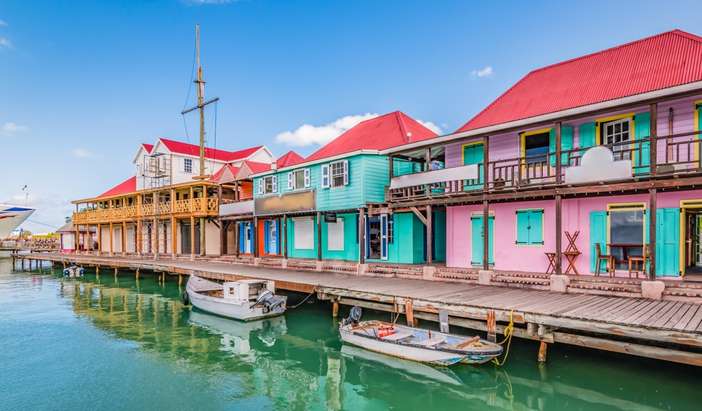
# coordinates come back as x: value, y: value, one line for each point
x: 637, y: 264
x: 607, y: 258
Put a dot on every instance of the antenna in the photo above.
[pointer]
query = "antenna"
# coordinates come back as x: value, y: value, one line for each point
x: 201, y: 103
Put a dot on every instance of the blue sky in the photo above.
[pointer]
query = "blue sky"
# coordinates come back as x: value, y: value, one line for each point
x: 82, y: 83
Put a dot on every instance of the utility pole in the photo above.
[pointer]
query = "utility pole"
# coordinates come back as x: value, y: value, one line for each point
x: 201, y: 103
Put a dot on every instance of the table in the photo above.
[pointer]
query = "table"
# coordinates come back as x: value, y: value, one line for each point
x: 626, y: 249
x: 571, y: 256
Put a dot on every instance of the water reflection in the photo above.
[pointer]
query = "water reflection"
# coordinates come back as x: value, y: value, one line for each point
x: 297, y: 361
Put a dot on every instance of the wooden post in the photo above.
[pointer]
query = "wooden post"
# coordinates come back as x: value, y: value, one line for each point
x: 192, y: 237
x: 97, y: 271
x: 154, y: 225
x: 116, y: 270
x: 543, y: 348
x: 254, y: 238
x: 409, y: 312
x: 335, y: 309
x: 486, y: 161
x: 652, y: 234
x: 486, y: 235
x: 558, y: 152
x: 139, y: 227
x: 124, y: 238
x: 174, y: 236
x: 653, y: 144
x: 361, y: 236
x: 223, y: 236
x: 491, y: 326
x: 99, y: 239
x: 111, y: 239
x: 559, y: 235
x: 319, y: 236
x: 285, y: 236
x: 430, y: 235
x: 203, y: 236
x: 236, y: 238
x: 391, y: 167
x: 136, y: 274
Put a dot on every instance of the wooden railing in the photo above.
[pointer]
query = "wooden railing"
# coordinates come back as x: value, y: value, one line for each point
x: 677, y: 154
x: 208, y: 206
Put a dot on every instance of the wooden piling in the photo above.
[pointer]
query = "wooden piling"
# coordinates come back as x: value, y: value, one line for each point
x: 180, y: 279
x: 137, y: 274
x: 491, y: 326
x: 335, y: 309
x: 543, y: 349
x: 409, y: 312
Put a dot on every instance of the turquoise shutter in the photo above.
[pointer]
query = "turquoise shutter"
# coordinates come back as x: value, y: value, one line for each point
x: 552, y: 147
x: 242, y: 237
x: 667, y: 241
x: 522, y: 227
x: 266, y: 232
x: 566, y: 143
x: 642, y: 125
x: 536, y: 226
x: 598, y: 235
x: 586, y: 135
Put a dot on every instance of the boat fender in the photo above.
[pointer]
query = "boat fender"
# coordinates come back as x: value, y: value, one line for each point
x: 66, y: 272
x: 185, y: 298
x: 385, y: 330
x: 81, y: 271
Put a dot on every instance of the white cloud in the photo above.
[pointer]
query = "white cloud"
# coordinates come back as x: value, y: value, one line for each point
x: 5, y: 43
x: 81, y: 153
x: 307, y: 134
x: 10, y: 129
x: 484, y: 72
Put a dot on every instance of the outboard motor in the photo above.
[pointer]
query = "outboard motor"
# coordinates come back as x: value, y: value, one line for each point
x: 354, y: 316
x: 270, y: 301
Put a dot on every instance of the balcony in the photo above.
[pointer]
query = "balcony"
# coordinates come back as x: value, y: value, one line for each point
x: 193, y: 206
x: 676, y: 155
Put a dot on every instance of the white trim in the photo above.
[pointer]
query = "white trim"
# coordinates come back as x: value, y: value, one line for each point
x: 549, y: 116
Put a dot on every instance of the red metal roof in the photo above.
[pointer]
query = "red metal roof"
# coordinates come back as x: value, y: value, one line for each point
x: 148, y: 148
x: 257, y: 167
x: 211, y: 153
x: 665, y: 60
x: 289, y: 159
x: 125, y: 187
x: 379, y: 133
x: 225, y: 174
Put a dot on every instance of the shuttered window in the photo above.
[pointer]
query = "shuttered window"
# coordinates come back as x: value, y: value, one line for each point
x: 530, y: 227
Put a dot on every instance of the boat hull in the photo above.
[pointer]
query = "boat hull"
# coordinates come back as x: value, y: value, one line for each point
x: 423, y: 355
x: 11, y: 217
x: 238, y: 310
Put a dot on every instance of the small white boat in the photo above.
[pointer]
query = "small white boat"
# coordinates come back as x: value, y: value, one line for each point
x: 73, y: 271
x: 241, y: 300
x: 416, y: 344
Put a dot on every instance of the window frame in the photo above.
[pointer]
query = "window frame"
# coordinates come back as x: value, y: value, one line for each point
x: 265, y: 181
x: 343, y: 165
x: 188, y: 164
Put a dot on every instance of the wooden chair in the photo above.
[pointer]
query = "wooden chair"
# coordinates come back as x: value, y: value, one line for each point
x: 637, y: 264
x: 607, y: 258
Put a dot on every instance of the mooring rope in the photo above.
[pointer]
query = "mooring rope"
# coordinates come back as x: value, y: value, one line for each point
x: 509, y: 331
x: 303, y: 300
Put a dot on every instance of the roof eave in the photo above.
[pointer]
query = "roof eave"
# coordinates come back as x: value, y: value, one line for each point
x: 318, y: 161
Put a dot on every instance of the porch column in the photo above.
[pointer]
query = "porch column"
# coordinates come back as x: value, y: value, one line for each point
x: 558, y: 152
x: 223, y: 236
x: 124, y: 238
x: 254, y: 237
x: 653, y: 144
x: 77, y: 235
x: 174, y: 236
x: 236, y: 238
x: 285, y: 236
x: 99, y: 239
x: 139, y: 227
x: 154, y: 225
x: 319, y: 236
x: 203, y: 236
x: 559, y: 235
x: 192, y: 237
x: 652, y: 234
x: 486, y: 161
x: 430, y: 236
x: 111, y: 239
x: 486, y: 235
x: 361, y: 236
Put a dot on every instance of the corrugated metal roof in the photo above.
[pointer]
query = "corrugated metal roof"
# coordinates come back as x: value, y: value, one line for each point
x: 665, y: 60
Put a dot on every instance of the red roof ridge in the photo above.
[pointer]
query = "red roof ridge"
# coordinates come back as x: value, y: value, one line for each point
x: 398, y: 115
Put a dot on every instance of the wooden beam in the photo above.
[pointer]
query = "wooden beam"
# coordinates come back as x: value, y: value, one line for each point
x: 124, y: 238
x: 559, y: 235
x: 319, y: 236
x: 558, y: 153
x: 361, y: 236
x: 486, y: 162
x: 111, y: 240
x: 285, y: 235
x: 652, y: 207
x: 419, y: 215
x: 653, y: 145
x: 174, y: 236
x: 192, y: 235
x: 203, y: 236
x: 486, y: 235
x: 430, y: 236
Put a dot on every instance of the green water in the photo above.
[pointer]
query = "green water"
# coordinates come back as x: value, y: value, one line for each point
x: 125, y: 345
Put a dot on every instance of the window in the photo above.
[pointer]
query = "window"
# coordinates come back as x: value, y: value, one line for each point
x: 303, y: 239
x: 335, y: 174
x: 335, y: 235
x: 299, y: 179
x: 615, y: 134
x: 267, y: 185
x: 626, y: 232
x: 188, y: 166
x: 536, y: 147
x: 530, y: 227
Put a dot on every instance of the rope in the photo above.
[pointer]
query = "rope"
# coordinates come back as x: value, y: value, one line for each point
x: 509, y: 331
x: 187, y: 96
x: 303, y: 300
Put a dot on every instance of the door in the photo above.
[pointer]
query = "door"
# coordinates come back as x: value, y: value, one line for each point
x: 245, y: 238
x: 477, y: 240
x: 374, y: 243
x: 383, y: 236
x: 473, y: 154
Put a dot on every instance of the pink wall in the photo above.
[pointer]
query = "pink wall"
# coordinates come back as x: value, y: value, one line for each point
x: 510, y: 256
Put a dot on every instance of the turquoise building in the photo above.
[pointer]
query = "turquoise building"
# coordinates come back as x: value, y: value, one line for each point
x: 328, y: 206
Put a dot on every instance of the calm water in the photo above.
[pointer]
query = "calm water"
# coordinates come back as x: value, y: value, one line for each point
x: 101, y: 344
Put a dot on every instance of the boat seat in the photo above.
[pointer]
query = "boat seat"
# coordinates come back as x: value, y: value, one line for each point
x: 436, y: 340
x: 399, y: 335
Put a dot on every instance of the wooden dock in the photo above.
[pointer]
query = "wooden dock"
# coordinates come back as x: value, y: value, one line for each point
x: 664, y: 330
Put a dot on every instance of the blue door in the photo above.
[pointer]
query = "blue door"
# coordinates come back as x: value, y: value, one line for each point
x: 473, y: 154
x: 477, y: 240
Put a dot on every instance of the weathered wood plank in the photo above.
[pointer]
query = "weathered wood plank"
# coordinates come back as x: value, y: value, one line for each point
x: 687, y: 317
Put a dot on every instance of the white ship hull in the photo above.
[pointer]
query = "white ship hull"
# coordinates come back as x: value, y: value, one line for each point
x: 11, y: 217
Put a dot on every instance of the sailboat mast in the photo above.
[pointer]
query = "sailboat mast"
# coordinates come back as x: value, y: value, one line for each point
x: 200, y: 101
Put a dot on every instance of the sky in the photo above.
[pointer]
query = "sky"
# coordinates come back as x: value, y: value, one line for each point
x: 83, y: 83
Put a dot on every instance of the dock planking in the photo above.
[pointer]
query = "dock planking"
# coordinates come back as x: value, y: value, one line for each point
x: 622, y: 324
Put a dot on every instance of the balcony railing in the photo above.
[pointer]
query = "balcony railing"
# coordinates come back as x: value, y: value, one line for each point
x: 677, y: 154
x: 208, y: 206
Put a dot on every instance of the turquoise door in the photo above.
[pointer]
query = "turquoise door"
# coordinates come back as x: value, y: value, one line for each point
x: 598, y: 235
x: 477, y: 236
x: 473, y: 154
x: 642, y: 124
x: 667, y: 241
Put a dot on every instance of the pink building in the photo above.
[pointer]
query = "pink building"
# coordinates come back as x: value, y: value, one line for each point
x: 592, y: 161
